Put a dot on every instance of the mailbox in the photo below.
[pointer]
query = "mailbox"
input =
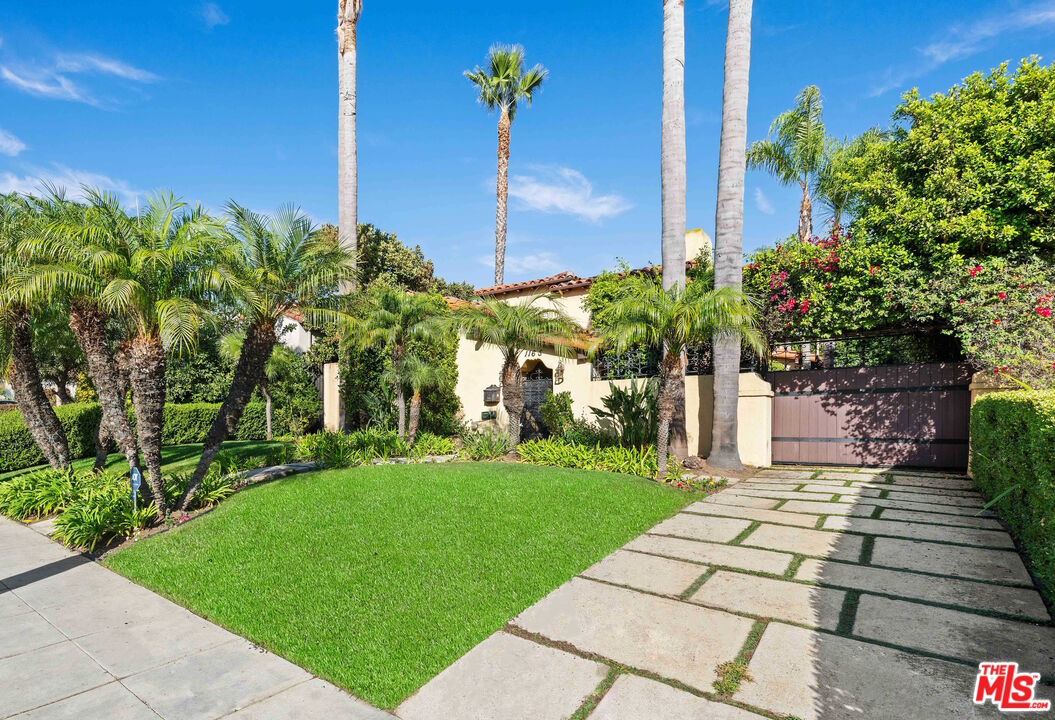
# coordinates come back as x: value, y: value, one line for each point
x: 492, y: 394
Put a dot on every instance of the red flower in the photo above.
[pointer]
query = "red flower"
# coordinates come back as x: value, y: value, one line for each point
x: 996, y: 321
x: 962, y: 301
x: 975, y: 270
x: 1044, y: 312
x: 1002, y: 295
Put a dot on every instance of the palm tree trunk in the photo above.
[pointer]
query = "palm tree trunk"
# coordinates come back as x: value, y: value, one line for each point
x: 267, y: 410
x: 37, y: 413
x: 249, y: 372
x: 148, y: 361
x: 805, y: 213
x: 401, y: 410
x: 89, y: 327
x: 103, y: 442
x: 347, y: 146
x: 513, y: 399
x: 504, y: 126
x: 671, y: 370
x: 415, y: 417
x: 62, y: 393
x: 728, y: 230
x: 673, y: 181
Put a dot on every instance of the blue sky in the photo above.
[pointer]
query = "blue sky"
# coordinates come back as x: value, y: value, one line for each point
x: 237, y: 99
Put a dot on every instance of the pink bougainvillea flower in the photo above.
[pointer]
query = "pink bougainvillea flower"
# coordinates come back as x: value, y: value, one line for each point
x: 996, y: 321
x: 1002, y: 295
x: 975, y: 270
x: 1044, y: 312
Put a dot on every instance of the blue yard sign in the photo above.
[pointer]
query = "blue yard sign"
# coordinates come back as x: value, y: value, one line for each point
x: 136, y: 480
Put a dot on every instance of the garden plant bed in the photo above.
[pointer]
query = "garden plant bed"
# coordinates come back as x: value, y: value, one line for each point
x: 378, y: 577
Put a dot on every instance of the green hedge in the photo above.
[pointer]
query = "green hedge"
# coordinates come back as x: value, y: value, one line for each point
x: 18, y: 449
x: 1013, y: 452
x: 184, y: 424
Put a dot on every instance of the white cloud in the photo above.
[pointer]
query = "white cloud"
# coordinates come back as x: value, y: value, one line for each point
x: 565, y: 191
x: 90, y: 63
x: 9, y: 144
x: 213, y: 15
x: 531, y: 265
x: 762, y: 202
x: 962, y: 41
x: 73, y: 181
x: 43, y: 83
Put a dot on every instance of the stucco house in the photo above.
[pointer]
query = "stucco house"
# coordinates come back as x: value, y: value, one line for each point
x: 479, y: 367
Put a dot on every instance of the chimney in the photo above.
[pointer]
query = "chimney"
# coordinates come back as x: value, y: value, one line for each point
x: 697, y: 241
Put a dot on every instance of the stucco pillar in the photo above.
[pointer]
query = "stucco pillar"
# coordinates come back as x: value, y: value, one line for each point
x: 332, y: 405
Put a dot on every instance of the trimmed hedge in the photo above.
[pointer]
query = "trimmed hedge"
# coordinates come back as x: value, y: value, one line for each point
x: 184, y: 424
x: 1013, y: 452
x: 18, y: 449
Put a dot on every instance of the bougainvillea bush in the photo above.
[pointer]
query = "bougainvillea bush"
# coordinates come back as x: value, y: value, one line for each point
x: 827, y: 286
x: 1001, y: 311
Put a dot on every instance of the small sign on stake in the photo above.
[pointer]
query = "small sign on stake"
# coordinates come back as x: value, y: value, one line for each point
x: 135, y: 481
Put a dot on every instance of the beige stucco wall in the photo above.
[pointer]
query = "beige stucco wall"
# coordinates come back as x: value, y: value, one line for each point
x: 480, y: 365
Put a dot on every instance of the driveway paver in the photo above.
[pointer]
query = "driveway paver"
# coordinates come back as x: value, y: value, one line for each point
x: 633, y: 697
x: 646, y: 572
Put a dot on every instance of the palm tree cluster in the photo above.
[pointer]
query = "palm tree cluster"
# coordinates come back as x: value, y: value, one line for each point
x: 157, y: 275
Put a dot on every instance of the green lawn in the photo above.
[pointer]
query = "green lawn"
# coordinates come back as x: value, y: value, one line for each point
x: 174, y: 458
x: 377, y: 578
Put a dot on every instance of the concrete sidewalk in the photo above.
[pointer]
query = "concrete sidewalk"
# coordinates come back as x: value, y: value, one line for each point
x: 78, y: 641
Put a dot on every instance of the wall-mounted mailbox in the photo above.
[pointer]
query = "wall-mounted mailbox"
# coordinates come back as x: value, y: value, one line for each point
x: 491, y: 394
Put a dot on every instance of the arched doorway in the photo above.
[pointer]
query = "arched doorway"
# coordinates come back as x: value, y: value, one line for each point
x: 538, y: 380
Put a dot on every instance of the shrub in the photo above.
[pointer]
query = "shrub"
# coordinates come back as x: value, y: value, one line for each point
x: 41, y: 493
x: 426, y: 444
x: 486, y: 444
x: 102, y: 511
x: 1013, y: 463
x: 632, y: 412
x: 79, y: 420
x: 190, y: 423
x: 556, y: 412
x: 362, y: 446
x: 628, y: 460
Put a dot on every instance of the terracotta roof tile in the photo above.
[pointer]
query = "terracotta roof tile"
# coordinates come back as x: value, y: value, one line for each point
x: 545, y: 282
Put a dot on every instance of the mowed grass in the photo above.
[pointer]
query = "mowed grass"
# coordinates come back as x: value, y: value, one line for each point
x: 174, y: 458
x: 377, y: 578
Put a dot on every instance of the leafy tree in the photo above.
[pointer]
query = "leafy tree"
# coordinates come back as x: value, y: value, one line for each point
x: 58, y: 356
x: 17, y: 219
x: 835, y: 180
x: 677, y: 319
x: 970, y: 172
x: 281, y: 263
x: 202, y: 377
x: 515, y: 328
x: 501, y: 87
x: 794, y: 153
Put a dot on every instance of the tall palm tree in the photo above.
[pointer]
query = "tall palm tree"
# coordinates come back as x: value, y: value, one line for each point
x: 501, y: 87
x: 348, y: 12
x: 795, y: 150
x: 728, y: 231
x: 393, y: 318
x: 160, y: 281
x: 74, y: 257
x: 279, y: 264
x: 676, y: 318
x: 419, y: 375
x: 16, y: 220
x: 673, y: 183
x: 514, y: 328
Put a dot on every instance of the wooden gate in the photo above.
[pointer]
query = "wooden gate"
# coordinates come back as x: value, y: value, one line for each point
x: 911, y: 415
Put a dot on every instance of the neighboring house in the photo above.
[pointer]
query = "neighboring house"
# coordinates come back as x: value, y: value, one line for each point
x: 293, y: 334
x: 479, y: 369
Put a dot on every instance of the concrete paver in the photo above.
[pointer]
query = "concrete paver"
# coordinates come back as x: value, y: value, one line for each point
x: 507, y: 678
x: 955, y: 633
x: 671, y: 638
x: 711, y: 529
x: 981, y: 523
x: 767, y: 598
x: 1024, y: 602
x: 633, y: 697
x: 916, y: 531
x: 744, y: 558
x: 646, y: 572
x: 817, y: 676
x: 951, y: 560
x: 807, y: 542
x: 112, y: 701
x: 772, y: 516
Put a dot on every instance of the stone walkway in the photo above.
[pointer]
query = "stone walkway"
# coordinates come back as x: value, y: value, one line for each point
x: 78, y: 641
x: 815, y: 594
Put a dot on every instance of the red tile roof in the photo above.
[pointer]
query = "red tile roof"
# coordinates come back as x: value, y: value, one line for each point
x: 559, y: 283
